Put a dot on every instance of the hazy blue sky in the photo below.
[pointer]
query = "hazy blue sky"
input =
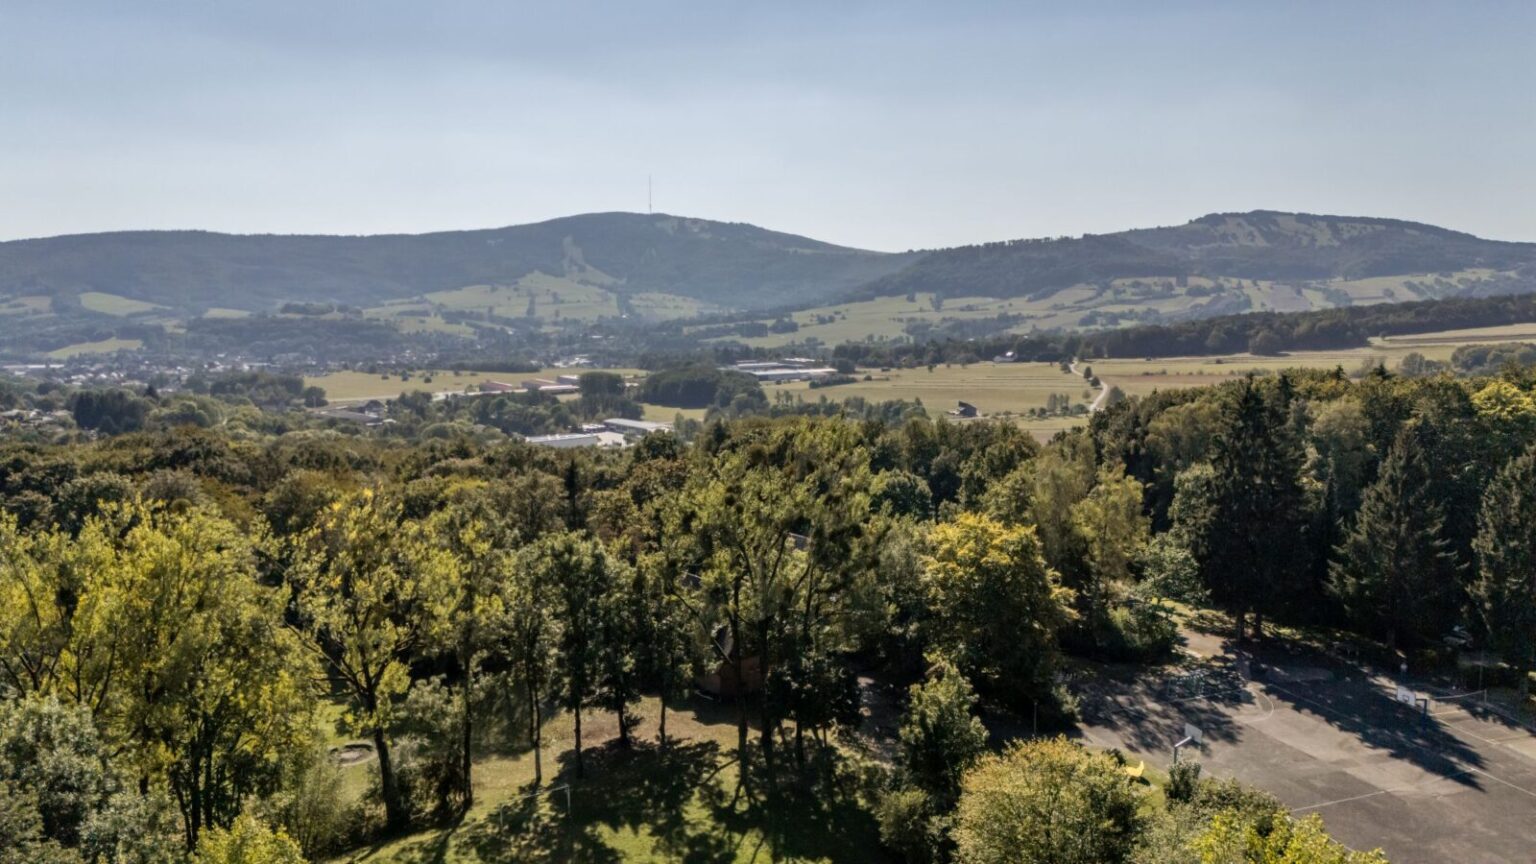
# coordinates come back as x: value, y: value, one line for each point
x: 881, y: 125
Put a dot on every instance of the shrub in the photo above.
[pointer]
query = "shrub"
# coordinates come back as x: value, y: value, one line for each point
x: 1183, y: 781
x: 910, y: 827
x: 1047, y: 800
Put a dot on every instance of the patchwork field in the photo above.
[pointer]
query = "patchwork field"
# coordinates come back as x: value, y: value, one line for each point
x: 1122, y: 301
x: 552, y: 299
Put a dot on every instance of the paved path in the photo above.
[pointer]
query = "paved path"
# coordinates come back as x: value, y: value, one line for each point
x: 1327, y: 737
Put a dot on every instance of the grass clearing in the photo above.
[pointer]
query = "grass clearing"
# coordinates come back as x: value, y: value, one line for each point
x: 646, y: 804
x: 112, y: 304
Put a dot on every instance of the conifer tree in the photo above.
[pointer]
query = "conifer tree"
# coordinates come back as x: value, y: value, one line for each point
x: 1505, y: 588
x: 1251, y: 524
x: 1395, y: 570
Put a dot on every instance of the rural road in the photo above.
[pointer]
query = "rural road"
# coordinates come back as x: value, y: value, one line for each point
x: 1098, y: 402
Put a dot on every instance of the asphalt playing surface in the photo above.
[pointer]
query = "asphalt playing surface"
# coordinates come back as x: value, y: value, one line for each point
x: 1457, y: 786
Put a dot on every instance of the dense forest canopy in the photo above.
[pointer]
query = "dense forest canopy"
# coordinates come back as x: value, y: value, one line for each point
x: 191, y: 612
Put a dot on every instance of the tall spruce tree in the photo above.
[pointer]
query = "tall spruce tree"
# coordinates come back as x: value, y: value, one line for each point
x: 1252, y: 534
x: 1505, y: 588
x: 1395, y: 570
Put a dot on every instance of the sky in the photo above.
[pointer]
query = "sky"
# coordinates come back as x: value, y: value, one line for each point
x: 880, y: 125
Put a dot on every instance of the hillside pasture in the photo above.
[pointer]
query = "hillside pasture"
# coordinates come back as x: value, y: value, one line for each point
x: 104, y: 346
x: 26, y: 305
x: 113, y: 304
x: 222, y: 312
x: 1122, y: 302
x: 551, y: 299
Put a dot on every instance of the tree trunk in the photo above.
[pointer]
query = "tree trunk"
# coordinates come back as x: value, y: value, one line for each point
x: 468, y: 732
x: 394, y: 811
x: 1239, y: 617
x: 661, y: 733
x: 535, y: 735
x: 763, y: 660
x: 580, y: 768
x: 741, y: 701
x: 1525, y: 684
x: 1258, y: 624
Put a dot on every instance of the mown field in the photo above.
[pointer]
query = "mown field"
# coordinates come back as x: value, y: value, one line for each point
x: 1141, y: 376
x: 994, y: 388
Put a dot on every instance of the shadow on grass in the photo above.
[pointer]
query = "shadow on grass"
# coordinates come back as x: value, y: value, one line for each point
x: 687, y: 806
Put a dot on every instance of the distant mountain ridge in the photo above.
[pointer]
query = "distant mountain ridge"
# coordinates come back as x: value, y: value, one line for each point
x: 1260, y: 244
x: 728, y: 264
x: 744, y: 267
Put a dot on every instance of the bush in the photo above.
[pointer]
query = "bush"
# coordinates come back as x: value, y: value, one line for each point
x: 1048, y: 800
x: 1215, y: 796
x: 910, y: 827
x: 248, y: 841
x: 310, y: 807
x: 431, y: 771
x: 1138, y: 633
x: 1183, y: 781
x: 940, y: 736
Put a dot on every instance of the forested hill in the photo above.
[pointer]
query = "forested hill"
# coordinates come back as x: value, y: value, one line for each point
x: 729, y: 264
x: 1260, y: 245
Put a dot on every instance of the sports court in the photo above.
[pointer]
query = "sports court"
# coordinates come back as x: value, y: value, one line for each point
x: 1443, y: 781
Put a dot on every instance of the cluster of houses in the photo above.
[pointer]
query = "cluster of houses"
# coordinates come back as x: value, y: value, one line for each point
x: 32, y: 418
x: 787, y: 369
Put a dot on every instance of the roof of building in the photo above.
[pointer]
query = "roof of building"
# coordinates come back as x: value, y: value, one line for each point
x: 636, y: 425
x: 572, y: 439
x: 579, y: 439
